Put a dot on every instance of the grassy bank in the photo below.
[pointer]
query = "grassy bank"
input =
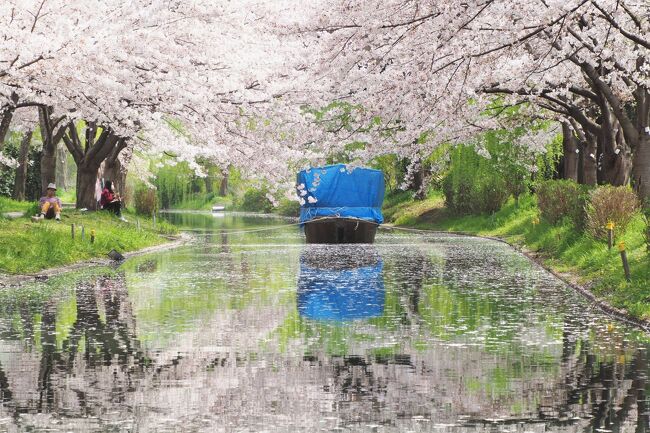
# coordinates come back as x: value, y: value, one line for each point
x: 562, y: 247
x: 9, y: 205
x: 27, y: 247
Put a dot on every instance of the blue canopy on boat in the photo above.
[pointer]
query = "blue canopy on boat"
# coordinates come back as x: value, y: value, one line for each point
x: 342, y: 294
x: 341, y: 191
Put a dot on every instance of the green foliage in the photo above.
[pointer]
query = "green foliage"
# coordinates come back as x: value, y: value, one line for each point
x: 472, y: 186
x: 393, y: 169
x: 178, y: 186
x: 560, y: 199
x: 617, y: 204
x: 146, y: 200
x: 288, y: 207
x: 481, y: 176
x: 8, y: 174
x: 546, y: 162
x: 174, y: 184
x: 255, y: 200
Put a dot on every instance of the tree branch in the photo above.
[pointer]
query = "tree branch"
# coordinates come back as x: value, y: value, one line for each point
x: 631, y: 36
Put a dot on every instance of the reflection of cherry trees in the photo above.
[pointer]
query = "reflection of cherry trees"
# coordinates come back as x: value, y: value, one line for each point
x: 611, y: 391
x: 105, y: 340
x: 94, y: 343
x: 5, y: 392
x: 230, y: 366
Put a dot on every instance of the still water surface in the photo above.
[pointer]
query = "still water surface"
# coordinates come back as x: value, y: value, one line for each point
x: 259, y: 332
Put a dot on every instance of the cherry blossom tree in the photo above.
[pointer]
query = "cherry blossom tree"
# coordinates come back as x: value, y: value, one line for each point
x: 422, y: 62
x: 237, y: 83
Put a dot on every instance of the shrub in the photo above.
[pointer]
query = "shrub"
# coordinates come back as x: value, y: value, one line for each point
x: 288, y: 207
x: 559, y: 199
x: 146, y: 200
x: 617, y: 204
x: 255, y: 200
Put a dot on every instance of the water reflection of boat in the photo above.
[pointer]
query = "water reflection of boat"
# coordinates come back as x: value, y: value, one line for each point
x: 340, y: 289
x: 340, y: 204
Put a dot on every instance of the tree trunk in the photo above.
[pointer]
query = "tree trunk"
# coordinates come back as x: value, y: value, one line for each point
x: 50, y: 140
x: 641, y: 168
x: 208, y: 184
x: 48, y: 166
x: 21, y: 171
x: 89, y: 155
x: 589, y: 162
x: 418, y: 184
x: 61, y: 168
x: 86, y: 183
x: 223, y: 188
x: 613, y: 164
x: 570, y: 156
x: 5, y: 122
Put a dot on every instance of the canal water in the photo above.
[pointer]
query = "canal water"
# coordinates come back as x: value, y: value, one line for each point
x: 249, y: 330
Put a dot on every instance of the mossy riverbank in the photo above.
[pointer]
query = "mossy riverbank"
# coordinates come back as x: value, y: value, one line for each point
x: 27, y: 247
x: 559, y: 247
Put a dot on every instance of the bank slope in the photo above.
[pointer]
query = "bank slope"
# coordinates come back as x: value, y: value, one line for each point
x: 27, y: 247
x: 561, y: 247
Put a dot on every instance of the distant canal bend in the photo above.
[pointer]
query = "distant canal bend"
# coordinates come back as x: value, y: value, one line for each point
x: 248, y: 332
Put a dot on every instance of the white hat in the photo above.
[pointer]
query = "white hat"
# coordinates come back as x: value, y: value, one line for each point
x: 51, y: 186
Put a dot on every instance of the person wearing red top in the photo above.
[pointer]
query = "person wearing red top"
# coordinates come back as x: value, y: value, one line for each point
x: 110, y: 200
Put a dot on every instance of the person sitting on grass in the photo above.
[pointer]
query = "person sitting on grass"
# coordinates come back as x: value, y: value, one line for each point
x: 110, y: 200
x: 50, y: 205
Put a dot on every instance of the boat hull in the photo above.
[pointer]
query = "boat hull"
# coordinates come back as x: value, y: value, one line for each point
x: 340, y: 231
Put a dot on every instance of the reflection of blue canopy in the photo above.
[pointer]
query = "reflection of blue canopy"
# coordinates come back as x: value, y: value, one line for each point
x: 344, y: 294
x: 336, y: 190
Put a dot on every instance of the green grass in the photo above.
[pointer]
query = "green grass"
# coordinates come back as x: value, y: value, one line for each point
x: 27, y: 247
x: 562, y: 247
x: 9, y: 205
x: 69, y: 196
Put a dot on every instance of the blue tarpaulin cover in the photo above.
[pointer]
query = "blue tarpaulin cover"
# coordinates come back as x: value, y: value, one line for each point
x: 341, y: 191
x: 344, y: 294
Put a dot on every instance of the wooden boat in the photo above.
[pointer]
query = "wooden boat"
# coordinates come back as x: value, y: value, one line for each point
x: 340, y: 231
x: 340, y: 204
